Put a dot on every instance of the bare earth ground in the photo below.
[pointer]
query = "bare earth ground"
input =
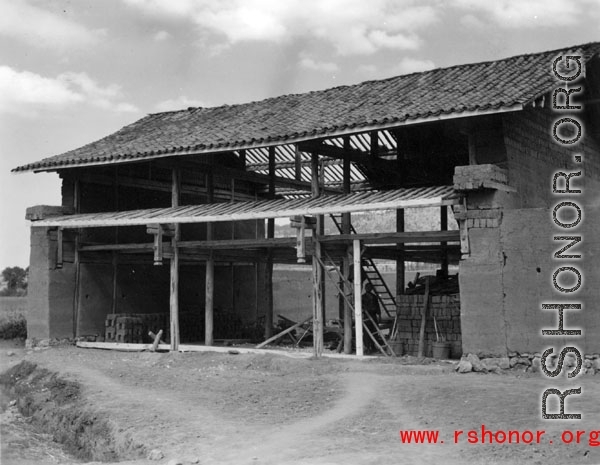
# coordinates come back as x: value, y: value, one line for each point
x: 264, y: 409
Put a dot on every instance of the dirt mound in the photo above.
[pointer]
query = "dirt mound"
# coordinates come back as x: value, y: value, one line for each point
x: 55, y: 405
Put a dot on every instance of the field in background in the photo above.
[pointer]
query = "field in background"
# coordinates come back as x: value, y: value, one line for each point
x: 12, y: 317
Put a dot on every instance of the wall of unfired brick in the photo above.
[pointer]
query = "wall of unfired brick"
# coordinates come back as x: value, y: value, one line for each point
x: 500, y: 285
x: 534, y: 156
x: 527, y: 241
x: 50, y: 298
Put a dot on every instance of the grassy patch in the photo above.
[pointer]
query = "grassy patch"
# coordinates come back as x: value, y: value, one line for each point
x: 13, y: 323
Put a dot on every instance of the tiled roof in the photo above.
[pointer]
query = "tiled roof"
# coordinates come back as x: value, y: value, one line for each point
x: 478, y: 88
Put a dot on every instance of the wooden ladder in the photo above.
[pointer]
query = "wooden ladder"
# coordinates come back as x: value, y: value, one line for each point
x: 330, y: 267
x: 370, y: 271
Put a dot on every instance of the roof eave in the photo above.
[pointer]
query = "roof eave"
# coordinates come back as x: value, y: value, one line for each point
x: 260, y: 144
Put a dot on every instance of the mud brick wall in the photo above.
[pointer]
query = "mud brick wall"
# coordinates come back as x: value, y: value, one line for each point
x: 534, y: 156
x: 445, y: 308
x: 508, y: 270
x: 476, y: 176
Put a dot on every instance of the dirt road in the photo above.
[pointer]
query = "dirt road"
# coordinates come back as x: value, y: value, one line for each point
x: 264, y: 409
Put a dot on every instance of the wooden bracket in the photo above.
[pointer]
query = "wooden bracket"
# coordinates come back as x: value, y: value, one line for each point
x: 59, y: 249
x: 159, y: 230
x: 300, y: 223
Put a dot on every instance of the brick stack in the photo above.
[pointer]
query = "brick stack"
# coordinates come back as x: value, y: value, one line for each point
x: 134, y: 327
x: 445, y: 308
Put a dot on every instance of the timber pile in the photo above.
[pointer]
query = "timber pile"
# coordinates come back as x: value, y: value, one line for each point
x: 438, y: 285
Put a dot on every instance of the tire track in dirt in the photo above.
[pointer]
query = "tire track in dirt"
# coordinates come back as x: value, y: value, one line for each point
x: 307, y: 441
x: 289, y: 443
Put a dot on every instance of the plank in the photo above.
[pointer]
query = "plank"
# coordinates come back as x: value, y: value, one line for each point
x: 283, y: 333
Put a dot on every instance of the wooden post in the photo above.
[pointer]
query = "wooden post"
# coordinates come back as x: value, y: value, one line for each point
x: 320, y: 229
x: 421, y: 346
x: 317, y: 271
x: 346, y: 229
x: 400, y: 257
x: 317, y: 301
x: 347, y: 308
x: 400, y: 223
x: 374, y: 139
x: 357, y: 298
x: 115, y: 267
x: 297, y: 163
x: 444, y: 227
x: 269, y: 266
x: 210, y: 271
x: 242, y: 154
x: 76, y: 203
x: 174, y: 291
x: 209, y: 303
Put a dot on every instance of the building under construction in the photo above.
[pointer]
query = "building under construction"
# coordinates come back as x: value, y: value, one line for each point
x: 174, y: 215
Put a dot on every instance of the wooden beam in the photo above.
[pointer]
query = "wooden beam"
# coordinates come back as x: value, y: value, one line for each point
x: 358, y: 297
x: 290, y: 242
x: 156, y: 185
x: 394, y: 237
x: 333, y: 151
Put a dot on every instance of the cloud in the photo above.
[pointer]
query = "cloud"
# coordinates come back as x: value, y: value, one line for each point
x: 351, y: 27
x: 536, y: 13
x: 41, y: 28
x: 161, y: 36
x: 472, y: 22
x: 325, y: 66
x: 412, y: 65
x: 179, y: 103
x: 25, y: 93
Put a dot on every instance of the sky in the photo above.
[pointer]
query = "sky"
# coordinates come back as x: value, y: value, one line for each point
x: 73, y: 71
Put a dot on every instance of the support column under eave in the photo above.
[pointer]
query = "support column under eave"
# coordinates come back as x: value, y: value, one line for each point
x: 347, y: 229
x: 269, y: 264
x: 209, y: 303
x: 317, y: 270
x: 210, y: 269
x: 174, y: 288
x: 357, y: 297
x: 317, y: 300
